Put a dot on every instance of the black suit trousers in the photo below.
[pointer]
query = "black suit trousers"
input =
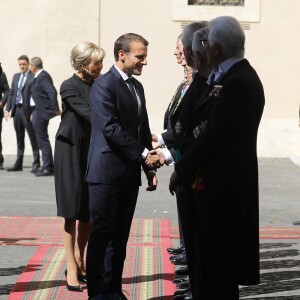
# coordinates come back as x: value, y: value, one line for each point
x: 40, y: 127
x: 210, y: 277
x: 21, y: 123
x: 111, y: 210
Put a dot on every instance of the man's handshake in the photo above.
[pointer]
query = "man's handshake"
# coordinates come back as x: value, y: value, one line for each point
x: 155, y: 159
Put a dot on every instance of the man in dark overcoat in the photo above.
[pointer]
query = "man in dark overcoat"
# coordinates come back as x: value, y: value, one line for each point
x: 220, y: 156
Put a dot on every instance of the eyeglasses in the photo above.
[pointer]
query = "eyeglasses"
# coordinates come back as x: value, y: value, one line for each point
x: 203, y: 42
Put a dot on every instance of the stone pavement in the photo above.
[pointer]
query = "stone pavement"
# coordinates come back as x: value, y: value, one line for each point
x: 23, y: 194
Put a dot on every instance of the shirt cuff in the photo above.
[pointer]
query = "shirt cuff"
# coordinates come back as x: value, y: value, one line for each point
x: 168, y: 156
x: 145, y: 153
x: 160, y: 140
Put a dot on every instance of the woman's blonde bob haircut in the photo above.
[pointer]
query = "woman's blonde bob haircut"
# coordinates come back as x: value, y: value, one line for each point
x: 85, y: 53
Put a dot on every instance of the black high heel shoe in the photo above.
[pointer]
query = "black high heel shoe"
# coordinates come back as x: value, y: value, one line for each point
x: 82, y: 278
x: 72, y: 288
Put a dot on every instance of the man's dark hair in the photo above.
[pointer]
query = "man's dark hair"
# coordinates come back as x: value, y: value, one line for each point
x: 24, y: 57
x: 124, y: 43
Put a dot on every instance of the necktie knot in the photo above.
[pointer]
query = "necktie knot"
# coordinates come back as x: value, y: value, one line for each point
x: 129, y: 82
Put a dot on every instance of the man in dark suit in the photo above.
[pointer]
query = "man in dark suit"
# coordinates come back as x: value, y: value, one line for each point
x: 219, y: 163
x: 46, y: 107
x: 20, y: 107
x: 4, y: 89
x: 119, y: 144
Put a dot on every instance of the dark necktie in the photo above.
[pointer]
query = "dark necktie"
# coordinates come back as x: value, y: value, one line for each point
x: 19, y: 93
x: 131, y: 87
x: 212, y: 79
x: 132, y: 90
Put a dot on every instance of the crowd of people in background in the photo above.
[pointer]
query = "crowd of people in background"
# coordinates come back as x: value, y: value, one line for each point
x: 104, y: 140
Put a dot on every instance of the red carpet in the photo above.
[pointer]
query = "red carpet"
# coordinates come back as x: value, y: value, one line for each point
x: 147, y: 274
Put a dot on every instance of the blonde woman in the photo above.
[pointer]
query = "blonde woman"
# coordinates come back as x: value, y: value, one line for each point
x: 70, y: 159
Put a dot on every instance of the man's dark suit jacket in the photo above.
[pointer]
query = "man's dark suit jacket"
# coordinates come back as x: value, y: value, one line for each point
x: 222, y: 146
x: 118, y: 138
x: 168, y: 134
x: 180, y: 119
x: 44, y: 95
x: 26, y: 94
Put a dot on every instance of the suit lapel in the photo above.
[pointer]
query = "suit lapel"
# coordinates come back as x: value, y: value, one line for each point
x: 16, y: 83
x: 204, y: 98
x: 29, y: 75
x: 126, y: 91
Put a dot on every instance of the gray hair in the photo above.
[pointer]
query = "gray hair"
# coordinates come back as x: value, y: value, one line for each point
x: 84, y: 53
x: 189, y: 30
x: 228, y: 33
x: 198, y: 36
x: 37, y: 62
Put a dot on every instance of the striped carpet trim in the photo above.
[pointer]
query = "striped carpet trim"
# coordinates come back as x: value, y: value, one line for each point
x: 148, y: 273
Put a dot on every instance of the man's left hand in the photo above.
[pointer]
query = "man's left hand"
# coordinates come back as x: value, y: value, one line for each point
x: 174, y: 183
x: 152, y: 181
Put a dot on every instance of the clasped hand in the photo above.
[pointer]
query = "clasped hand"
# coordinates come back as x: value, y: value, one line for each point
x: 155, y: 159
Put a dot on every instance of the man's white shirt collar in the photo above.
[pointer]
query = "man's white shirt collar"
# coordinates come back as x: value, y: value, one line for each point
x: 38, y: 73
x: 225, y: 66
x: 122, y: 73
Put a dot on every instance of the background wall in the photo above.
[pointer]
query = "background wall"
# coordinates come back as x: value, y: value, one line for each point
x: 51, y: 28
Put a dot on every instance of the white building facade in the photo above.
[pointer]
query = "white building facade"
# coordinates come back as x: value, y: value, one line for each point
x: 50, y: 29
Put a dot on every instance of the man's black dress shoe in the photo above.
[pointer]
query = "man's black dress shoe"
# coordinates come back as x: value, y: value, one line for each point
x: 182, y: 271
x: 35, y: 169
x: 14, y: 169
x: 112, y: 296
x: 183, y: 285
x: 99, y: 297
x: 180, y: 260
x: 177, y: 250
x: 178, y: 255
x: 72, y: 288
x: 181, y: 280
x: 1, y: 167
x: 182, y: 291
x: 44, y: 173
x: 187, y: 296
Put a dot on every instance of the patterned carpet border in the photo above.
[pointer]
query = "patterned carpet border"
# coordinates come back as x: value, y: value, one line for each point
x: 148, y: 273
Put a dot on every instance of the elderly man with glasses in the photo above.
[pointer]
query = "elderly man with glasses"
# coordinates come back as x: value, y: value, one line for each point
x: 220, y: 159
